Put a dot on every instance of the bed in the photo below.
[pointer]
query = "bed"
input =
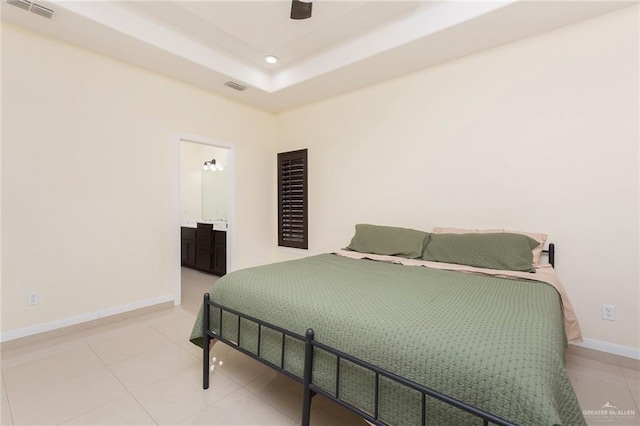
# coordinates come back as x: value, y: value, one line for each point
x: 401, y: 340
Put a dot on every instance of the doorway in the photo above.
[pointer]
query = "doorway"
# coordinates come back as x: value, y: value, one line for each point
x: 205, y: 185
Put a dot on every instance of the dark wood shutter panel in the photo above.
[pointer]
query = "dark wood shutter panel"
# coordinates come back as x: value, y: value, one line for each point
x: 292, y: 199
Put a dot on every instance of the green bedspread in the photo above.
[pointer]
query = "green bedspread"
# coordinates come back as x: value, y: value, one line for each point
x: 494, y: 343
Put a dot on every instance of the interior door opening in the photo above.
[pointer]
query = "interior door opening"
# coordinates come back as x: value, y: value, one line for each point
x: 206, y: 215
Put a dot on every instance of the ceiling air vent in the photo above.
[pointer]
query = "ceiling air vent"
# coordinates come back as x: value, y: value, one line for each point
x: 35, y: 8
x: 22, y: 4
x: 42, y: 11
x: 235, y: 86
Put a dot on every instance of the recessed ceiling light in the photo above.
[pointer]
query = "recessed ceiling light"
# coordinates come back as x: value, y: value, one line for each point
x: 271, y: 59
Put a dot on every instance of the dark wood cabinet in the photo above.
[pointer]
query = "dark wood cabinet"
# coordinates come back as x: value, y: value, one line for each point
x: 205, y: 249
x: 219, y: 253
x: 188, y: 242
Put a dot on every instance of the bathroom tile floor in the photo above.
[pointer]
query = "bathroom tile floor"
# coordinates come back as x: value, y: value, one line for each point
x: 144, y: 371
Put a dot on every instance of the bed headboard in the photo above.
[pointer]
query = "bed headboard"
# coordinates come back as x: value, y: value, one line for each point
x: 551, y: 252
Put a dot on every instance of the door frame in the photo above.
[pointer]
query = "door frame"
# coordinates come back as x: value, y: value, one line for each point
x: 178, y: 137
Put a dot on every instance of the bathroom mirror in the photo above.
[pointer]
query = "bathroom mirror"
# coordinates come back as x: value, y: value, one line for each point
x: 214, y: 190
x: 203, y: 193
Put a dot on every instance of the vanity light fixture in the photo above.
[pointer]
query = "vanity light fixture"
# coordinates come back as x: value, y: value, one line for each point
x: 212, y: 166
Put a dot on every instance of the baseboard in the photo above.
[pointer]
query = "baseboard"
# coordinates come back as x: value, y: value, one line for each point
x: 623, y: 356
x: 611, y: 348
x: 84, y: 318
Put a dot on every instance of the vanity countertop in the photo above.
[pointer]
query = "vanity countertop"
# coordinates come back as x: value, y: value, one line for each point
x: 217, y: 225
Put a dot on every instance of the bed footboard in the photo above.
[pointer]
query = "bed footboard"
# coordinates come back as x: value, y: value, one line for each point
x: 379, y: 372
x: 208, y: 335
x: 309, y: 389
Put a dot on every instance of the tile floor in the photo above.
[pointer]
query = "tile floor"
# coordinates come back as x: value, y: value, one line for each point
x: 143, y: 371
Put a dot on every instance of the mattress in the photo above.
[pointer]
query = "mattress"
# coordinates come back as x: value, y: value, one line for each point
x: 495, y: 343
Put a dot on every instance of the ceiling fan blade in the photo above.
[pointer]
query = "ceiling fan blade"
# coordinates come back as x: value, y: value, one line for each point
x: 300, y: 9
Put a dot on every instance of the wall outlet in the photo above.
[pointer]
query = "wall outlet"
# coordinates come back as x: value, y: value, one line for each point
x: 33, y: 298
x: 609, y: 312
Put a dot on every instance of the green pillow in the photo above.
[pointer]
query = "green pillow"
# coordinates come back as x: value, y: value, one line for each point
x: 504, y: 251
x: 389, y: 240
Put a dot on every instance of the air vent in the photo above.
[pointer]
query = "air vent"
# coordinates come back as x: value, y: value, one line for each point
x: 42, y: 11
x: 35, y: 8
x: 22, y: 4
x: 235, y: 86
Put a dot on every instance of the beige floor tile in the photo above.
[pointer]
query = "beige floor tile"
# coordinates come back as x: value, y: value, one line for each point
x: 176, y: 324
x: 37, y: 375
x: 631, y: 373
x: 625, y: 413
x: 631, y: 363
x: 218, y: 350
x: 154, y: 365
x: 5, y: 415
x: 594, y: 391
x: 123, y: 411
x: 119, y: 344
x: 158, y: 315
x: 39, y: 350
x: 39, y: 337
x: 67, y: 400
x: 194, y: 285
x: 594, y: 368
x: 3, y: 392
x: 162, y: 315
x: 178, y: 327
x: 280, y: 391
x: 193, y: 307
x: 593, y: 354
x: 635, y: 392
x: 239, y: 367
x: 327, y: 413
x: 239, y: 408
x: 634, y: 386
x: 180, y: 396
x: 572, y: 360
x: 192, y: 349
x: 104, y: 330
x: 147, y: 310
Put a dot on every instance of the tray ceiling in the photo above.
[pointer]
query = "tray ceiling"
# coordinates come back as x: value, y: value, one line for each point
x: 344, y: 46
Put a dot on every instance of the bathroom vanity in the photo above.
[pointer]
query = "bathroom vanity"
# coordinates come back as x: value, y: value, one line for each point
x: 204, y: 248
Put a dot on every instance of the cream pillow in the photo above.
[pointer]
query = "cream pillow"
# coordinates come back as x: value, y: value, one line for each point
x: 537, y: 251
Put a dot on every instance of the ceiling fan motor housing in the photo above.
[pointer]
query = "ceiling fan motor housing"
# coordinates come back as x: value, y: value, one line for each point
x: 301, y: 9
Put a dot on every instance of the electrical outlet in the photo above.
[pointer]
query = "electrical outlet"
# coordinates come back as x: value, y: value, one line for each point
x: 33, y: 298
x: 609, y: 312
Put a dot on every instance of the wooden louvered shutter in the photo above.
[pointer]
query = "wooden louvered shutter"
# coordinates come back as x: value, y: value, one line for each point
x: 292, y: 199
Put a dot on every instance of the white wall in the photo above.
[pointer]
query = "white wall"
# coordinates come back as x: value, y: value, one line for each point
x: 89, y: 191
x: 539, y: 135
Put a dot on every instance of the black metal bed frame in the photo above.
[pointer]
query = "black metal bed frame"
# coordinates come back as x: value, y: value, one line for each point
x: 309, y: 389
x: 551, y: 253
